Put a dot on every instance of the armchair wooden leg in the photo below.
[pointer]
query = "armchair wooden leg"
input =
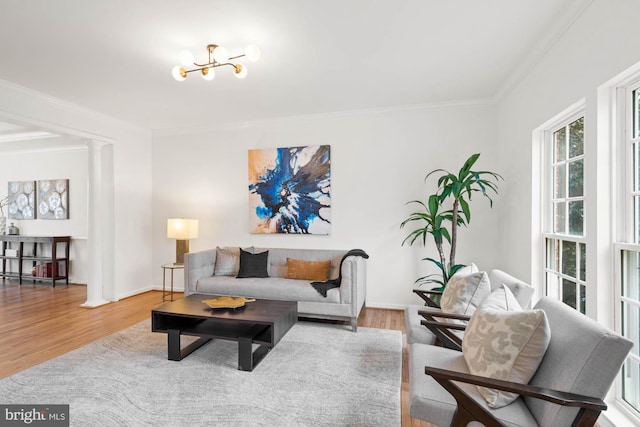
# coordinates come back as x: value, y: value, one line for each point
x: 586, y: 418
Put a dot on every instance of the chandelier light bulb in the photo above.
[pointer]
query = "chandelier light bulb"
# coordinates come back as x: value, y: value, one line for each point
x: 218, y: 56
x: 178, y: 73
x: 186, y: 58
x: 221, y: 55
x: 241, y: 71
x: 252, y: 52
x: 208, y: 73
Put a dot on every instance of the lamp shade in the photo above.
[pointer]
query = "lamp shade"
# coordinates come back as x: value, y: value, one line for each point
x: 182, y: 229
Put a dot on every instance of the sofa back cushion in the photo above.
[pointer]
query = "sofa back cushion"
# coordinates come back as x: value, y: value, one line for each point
x: 277, y: 263
x: 583, y: 357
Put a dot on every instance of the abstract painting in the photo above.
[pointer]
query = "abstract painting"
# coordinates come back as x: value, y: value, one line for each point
x: 22, y: 199
x: 289, y: 190
x: 53, y: 199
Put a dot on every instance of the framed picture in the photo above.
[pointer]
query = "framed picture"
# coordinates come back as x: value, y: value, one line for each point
x: 290, y: 190
x: 53, y: 199
x: 21, y: 204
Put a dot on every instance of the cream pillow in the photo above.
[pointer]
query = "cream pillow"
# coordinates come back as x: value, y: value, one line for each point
x: 467, y: 269
x: 505, y: 345
x: 465, y: 292
x: 501, y: 298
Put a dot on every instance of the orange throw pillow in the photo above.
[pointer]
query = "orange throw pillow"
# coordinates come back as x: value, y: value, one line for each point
x: 308, y: 270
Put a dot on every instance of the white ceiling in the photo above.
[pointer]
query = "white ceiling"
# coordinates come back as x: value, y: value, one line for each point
x: 115, y: 56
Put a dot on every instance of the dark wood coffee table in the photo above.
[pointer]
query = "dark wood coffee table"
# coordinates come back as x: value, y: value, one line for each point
x: 262, y: 322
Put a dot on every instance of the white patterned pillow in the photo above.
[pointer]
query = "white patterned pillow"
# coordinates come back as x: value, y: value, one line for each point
x: 505, y: 345
x: 465, y: 292
x: 467, y: 269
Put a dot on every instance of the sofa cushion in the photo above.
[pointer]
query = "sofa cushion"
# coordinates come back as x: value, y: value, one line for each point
x: 253, y: 265
x: 503, y: 344
x: 465, y: 292
x: 308, y: 270
x: 276, y: 288
x: 416, y: 331
x: 429, y: 401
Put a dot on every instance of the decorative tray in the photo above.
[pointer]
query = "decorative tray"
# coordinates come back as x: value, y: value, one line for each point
x: 227, y: 302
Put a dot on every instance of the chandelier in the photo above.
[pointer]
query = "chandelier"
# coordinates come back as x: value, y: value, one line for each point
x: 218, y: 57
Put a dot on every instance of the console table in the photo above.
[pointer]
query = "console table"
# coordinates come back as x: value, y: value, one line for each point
x: 28, y: 254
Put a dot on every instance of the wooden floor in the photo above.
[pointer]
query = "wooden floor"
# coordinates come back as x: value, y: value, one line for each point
x: 38, y: 323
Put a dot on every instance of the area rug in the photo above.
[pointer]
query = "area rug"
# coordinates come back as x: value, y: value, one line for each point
x: 318, y: 375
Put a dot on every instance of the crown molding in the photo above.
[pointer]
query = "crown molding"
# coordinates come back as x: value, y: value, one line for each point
x: 66, y: 107
x: 40, y: 150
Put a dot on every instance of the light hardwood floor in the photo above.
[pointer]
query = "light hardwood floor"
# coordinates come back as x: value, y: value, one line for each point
x: 38, y: 323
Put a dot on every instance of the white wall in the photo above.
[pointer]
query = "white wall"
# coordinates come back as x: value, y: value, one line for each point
x: 130, y: 262
x: 378, y: 163
x: 601, y: 43
x: 54, y: 164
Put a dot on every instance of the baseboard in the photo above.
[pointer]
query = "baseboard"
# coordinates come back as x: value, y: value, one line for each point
x: 167, y: 288
x: 385, y: 305
x: 146, y: 289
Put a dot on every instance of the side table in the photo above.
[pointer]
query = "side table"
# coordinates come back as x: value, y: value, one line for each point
x: 172, y: 267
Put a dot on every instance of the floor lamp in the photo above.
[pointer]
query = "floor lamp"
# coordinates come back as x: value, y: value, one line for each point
x: 182, y: 230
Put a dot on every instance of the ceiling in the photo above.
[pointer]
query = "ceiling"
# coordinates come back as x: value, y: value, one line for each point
x: 115, y: 56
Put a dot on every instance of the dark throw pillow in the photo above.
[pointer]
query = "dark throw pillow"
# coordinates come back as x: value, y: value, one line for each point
x: 253, y: 265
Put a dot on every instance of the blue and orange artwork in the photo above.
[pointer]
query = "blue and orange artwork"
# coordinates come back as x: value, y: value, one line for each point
x: 290, y: 190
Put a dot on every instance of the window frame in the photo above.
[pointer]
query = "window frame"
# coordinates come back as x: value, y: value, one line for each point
x: 626, y: 234
x: 615, y: 214
x: 547, y: 201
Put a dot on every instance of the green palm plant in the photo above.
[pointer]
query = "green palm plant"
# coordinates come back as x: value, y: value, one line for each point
x: 460, y: 187
x: 435, y: 219
x: 434, y: 222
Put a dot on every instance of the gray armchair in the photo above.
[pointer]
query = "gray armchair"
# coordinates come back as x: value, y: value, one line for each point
x: 578, y: 368
x: 419, y: 332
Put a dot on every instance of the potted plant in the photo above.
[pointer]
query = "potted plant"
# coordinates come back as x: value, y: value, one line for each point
x: 434, y: 218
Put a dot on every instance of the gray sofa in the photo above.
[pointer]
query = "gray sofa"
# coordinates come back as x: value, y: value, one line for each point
x: 342, y: 303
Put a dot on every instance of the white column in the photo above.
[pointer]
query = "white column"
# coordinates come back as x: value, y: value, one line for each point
x: 100, y: 245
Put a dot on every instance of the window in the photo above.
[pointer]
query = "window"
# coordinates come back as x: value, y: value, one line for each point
x: 629, y: 251
x: 565, y: 244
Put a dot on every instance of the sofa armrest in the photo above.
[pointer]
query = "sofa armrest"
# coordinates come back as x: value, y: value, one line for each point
x: 353, y: 288
x: 196, y: 266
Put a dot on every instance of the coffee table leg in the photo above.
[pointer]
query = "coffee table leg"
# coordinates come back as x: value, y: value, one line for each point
x: 173, y: 344
x: 245, y: 355
x: 174, y: 352
x: 248, y: 359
